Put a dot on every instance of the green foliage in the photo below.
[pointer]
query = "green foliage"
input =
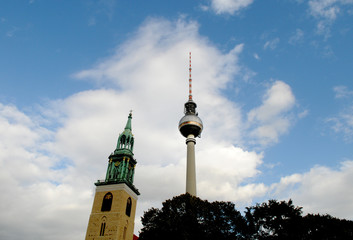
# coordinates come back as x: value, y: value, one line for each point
x: 323, y: 227
x: 274, y: 220
x: 186, y: 217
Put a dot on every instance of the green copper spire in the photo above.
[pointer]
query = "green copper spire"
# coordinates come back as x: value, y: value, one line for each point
x: 121, y: 165
x: 128, y: 123
x: 126, y: 139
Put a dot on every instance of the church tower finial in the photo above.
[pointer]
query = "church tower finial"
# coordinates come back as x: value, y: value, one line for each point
x: 190, y: 126
x: 128, y: 123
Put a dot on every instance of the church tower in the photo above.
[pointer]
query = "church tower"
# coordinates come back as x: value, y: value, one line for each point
x: 114, y: 206
x: 190, y: 126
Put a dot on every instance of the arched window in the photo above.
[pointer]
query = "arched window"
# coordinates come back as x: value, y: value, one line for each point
x: 128, y: 207
x: 107, y: 202
x: 122, y: 141
x: 132, y: 144
x: 103, y: 226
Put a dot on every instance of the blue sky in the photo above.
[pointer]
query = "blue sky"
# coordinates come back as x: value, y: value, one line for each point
x: 272, y: 80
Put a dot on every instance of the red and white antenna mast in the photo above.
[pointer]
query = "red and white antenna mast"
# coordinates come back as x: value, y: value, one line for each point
x: 190, y: 79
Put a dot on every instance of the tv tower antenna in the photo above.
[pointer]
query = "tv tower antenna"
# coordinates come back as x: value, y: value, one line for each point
x: 190, y: 79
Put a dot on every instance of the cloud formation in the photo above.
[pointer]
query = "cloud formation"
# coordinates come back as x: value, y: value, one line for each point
x: 327, y: 11
x: 32, y: 196
x: 272, y: 118
x: 229, y: 6
x: 342, y: 122
x: 342, y: 92
x: 318, y: 189
x: 271, y: 44
x: 296, y: 37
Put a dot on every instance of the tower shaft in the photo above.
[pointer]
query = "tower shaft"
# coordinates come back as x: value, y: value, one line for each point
x: 190, y: 166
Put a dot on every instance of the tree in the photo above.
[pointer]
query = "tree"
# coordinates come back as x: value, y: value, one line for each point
x: 187, y: 217
x: 322, y: 227
x: 274, y: 220
x: 283, y: 220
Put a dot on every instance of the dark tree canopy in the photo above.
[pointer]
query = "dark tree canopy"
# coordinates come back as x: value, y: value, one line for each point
x: 274, y: 220
x: 327, y: 227
x: 186, y: 217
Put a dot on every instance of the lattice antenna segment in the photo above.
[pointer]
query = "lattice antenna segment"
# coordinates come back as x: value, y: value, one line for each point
x: 190, y: 79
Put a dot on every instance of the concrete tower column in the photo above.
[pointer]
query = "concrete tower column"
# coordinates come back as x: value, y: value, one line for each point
x: 191, y: 166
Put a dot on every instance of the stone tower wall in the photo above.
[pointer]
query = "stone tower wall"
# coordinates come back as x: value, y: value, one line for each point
x: 118, y: 226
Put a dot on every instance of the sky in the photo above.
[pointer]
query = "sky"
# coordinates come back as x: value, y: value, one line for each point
x: 272, y: 81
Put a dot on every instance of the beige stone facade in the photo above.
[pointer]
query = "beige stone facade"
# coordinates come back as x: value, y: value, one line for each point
x: 113, y: 224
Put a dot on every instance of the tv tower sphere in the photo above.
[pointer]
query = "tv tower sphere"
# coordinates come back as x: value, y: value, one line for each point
x: 190, y: 124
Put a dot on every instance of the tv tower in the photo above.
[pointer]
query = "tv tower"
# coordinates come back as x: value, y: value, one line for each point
x: 190, y: 126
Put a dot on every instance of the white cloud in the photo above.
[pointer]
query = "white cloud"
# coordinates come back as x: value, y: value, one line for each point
x: 272, y: 44
x: 342, y: 123
x: 12, y: 32
x: 272, y: 118
x: 237, y: 166
x: 297, y: 37
x: 228, y: 6
x: 342, y: 92
x: 256, y: 56
x: 160, y: 58
x: 303, y: 114
x: 30, y: 195
x: 321, y: 190
x: 326, y: 11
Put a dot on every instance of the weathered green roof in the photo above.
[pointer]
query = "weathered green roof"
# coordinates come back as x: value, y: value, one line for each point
x: 128, y: 123
x: 121, y: 165
x: 125, y: 144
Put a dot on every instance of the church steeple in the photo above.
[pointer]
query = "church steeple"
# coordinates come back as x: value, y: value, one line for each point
x: 121, y: 164
x: 126, y: 139
x: 114, y: 205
